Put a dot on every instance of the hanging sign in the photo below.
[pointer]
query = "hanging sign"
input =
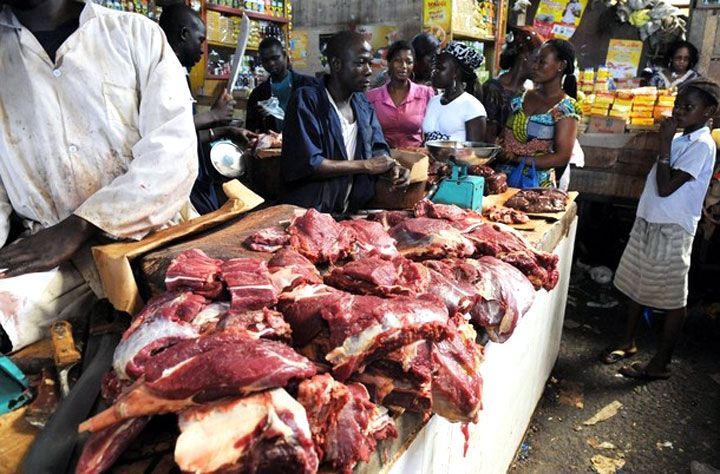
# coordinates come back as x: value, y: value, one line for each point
x: 559, y: 18
x: 623, y: 58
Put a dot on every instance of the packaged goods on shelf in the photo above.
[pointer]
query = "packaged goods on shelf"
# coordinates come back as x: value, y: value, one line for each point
x: 642, y: 122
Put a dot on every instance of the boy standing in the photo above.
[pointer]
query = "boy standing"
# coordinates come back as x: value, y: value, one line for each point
x: 653, y: 271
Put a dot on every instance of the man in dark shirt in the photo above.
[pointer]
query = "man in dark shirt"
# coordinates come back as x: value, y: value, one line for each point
x: 333, y: 146
x: 185, y: 32
x: 281, y: 84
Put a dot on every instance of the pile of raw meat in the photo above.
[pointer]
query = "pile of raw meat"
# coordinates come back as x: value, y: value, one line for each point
x: 292, y: 363
x: 539, y: 200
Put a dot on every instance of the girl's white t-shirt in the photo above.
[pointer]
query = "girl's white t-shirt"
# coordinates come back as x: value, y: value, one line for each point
x: 447, y: 122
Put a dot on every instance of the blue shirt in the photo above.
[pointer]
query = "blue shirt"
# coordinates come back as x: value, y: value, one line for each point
x: 312, y: 133
x: 694, y: 154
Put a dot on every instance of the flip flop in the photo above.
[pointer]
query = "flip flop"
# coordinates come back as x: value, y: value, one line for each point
x: 611, y: 356
x: 637, y: 371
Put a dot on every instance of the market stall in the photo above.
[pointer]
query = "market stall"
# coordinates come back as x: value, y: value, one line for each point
x: 526, y: 356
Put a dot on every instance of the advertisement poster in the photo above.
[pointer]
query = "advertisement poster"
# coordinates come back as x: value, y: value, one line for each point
x: 623, y: 58
x: 559, y: 18
x: 379, y: 37
x: 299, y: 49
x: 436, y: 17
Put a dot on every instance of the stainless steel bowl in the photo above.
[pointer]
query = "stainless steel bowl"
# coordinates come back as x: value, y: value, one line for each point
x: 470, y: 153
x: 228, y: 158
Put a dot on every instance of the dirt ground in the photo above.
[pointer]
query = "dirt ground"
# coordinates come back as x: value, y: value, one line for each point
x: 661, y: 427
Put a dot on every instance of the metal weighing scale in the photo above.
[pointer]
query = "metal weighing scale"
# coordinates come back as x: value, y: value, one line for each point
x: 460, y: 188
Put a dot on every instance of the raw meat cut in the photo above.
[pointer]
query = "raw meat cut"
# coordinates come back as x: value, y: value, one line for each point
x: 345, y: 424
x: 249, y: 283
x: 495, y: 294
x: 369, y: 238
x: 209, y: 317
x: 302, y: 309
x: 505, y: 295
x: 289, y: 269
x: 104, y: 447
x: 507, y: 245
x: 505, y: 215
x: 264, y: 432
x: 389, y: 219
x: 453, y: 281
x: 402, y: 380
x: 481, y: 170
x: 381, y: 277
x: 164, y: 321
x: 270, y: 139
x: 539, y: 200
x: 457, y: 384
x: 261, y: 323
x: 463, y: 220
x: 319, y: 238
x: 365, y: 328
x: 193, y: 270
x: 205, y: 369
x: 422, y: 237
x: 496, y: 183
x: 269, y: 240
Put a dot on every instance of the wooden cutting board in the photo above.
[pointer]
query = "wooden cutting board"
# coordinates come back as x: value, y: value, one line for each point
x: 223, y: 242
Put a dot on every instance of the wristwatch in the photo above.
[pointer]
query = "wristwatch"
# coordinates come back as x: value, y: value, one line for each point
x: 212, y: 134
x: 663, y: 159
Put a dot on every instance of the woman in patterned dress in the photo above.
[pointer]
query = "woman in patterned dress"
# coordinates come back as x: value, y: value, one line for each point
x: 542, y: 126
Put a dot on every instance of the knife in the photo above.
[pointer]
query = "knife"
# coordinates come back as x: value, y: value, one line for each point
x: 239, y: 51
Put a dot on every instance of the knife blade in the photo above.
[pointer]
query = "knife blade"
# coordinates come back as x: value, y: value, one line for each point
x: 239, y: 51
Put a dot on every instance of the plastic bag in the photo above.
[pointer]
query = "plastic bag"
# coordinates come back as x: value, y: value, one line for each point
x: 272, y: 107
x: 522, y: 178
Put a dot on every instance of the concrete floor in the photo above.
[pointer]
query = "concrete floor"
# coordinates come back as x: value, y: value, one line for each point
x: 662, y: 426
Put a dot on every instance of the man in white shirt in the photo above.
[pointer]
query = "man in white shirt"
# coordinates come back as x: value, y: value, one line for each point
x: 96, y: 138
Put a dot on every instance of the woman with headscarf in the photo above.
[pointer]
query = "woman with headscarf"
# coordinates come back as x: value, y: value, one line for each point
x: 542, y: 126
x: 681, y: 58
x: 456, y: 114
x: 521, y: 44
x: 400, y: 104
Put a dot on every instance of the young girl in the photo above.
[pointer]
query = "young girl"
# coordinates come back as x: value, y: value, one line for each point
x: 653, y: 270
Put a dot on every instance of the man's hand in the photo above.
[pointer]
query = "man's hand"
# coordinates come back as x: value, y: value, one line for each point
x: 400, y: 176
x: 223, y: 107
x: 47, y: 249
x: 379, y: 165
x: 239, y: 135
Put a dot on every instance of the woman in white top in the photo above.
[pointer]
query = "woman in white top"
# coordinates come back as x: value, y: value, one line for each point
x: 456, y: 114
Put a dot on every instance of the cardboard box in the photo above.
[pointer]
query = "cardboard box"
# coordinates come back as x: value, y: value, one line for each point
x: 606, y: 125
x: 417, y: 163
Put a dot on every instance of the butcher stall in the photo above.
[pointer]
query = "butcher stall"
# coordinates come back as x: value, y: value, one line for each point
x: 401, y: 341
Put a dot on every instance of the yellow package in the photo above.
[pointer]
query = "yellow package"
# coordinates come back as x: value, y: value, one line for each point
x: 621, y: 107
x: 643, y: 122
x: 624, y: 94
x: 643, y: 113
x: 666, y: 101
x: 644, y: 100
x: 619, y: 114
x: 623, y: 102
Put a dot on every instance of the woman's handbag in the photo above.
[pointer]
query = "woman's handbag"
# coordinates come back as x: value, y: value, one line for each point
x: 523, y: 178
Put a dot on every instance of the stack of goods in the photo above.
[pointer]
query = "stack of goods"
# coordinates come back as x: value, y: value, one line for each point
x: 601, y: 103
x: 643, y: 103
x: 664, y: 105
x: 385, y: 310
x: 622, y: 105
x: 587, y: 80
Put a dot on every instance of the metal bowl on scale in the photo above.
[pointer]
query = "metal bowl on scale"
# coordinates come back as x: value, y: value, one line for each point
x: 466, y: 153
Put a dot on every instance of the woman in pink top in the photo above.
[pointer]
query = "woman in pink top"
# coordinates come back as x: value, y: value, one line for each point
x: 400, y: 104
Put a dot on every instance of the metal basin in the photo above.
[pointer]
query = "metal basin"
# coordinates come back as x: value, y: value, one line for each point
x: 469, y: 153
x: 228, y: 158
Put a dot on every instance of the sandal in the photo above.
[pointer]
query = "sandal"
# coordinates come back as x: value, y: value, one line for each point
x: 611, y: 355
x: 637, y: 371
